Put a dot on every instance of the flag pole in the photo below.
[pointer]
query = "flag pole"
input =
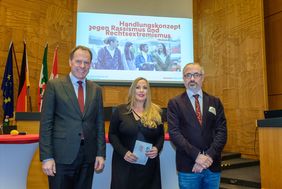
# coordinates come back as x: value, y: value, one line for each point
x: 15, y: 58
x: 28, y: 83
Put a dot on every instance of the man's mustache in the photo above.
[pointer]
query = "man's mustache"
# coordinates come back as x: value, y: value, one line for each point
x: 192, y: 82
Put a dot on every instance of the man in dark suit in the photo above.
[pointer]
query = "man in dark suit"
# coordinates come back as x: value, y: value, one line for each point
x: 72, y: 136
x: 197, y: 128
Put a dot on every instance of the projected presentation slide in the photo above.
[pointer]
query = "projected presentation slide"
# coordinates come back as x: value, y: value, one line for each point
x: 125, y: 47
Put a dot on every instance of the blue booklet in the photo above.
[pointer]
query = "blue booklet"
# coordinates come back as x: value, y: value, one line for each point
x: 140, y: 149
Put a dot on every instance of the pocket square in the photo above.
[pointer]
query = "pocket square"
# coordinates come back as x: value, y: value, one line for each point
x: 212, y: 110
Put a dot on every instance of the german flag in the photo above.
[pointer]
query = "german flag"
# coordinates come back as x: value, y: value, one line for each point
x: 24, y: 84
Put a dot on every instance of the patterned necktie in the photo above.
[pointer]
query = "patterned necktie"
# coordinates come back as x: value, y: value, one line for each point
x: 80, y: 96
x: 197, y: 108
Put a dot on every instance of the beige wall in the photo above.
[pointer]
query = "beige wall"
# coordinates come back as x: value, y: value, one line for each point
x: 166, y: 8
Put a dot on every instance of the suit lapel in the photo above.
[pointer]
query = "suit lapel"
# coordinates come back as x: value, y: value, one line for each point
x: 188, y: 105
x: 69, y: 90
x: 205, y: 108
x: 89, y: 96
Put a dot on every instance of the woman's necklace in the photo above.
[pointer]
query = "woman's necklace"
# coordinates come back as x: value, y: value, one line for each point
x: 137, y: 114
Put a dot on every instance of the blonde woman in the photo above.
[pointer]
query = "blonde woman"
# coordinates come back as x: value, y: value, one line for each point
x: 138, y: 120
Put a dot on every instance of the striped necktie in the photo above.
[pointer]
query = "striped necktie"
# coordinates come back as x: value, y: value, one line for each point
x: 197, y: 108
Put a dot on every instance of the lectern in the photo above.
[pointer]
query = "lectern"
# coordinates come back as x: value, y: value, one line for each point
x: 16, y: 153
x: 270, y: 147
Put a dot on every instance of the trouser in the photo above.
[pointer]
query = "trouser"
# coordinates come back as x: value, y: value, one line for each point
x: 204, y: 180
x: 78, y: 175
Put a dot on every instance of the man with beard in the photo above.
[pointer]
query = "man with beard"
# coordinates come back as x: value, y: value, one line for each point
x: 197, y: 128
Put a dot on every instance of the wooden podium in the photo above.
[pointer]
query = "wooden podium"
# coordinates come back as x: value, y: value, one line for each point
x: 270, y: 147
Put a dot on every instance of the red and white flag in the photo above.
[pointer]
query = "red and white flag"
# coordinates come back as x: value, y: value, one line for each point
x: 54, y: 73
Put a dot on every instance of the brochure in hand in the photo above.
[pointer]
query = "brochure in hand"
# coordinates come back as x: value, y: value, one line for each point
x: 140, y: 149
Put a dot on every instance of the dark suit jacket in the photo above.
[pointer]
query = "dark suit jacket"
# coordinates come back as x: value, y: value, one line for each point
x: 189, y: 137
x: 62, y: 122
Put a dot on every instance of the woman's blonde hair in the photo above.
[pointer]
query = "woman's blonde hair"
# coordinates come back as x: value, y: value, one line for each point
x: 151, y: 116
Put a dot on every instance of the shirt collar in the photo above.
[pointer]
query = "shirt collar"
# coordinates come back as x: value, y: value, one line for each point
x: 191, y: 93
x: 74, y: 80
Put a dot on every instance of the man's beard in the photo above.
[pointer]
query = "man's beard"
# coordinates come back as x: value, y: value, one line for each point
x: 193, y: 85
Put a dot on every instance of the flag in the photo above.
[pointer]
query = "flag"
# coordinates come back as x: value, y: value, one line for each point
x: 24, y: 84
x: 43, y: 78
x: 54, y: 73
x: 8, y: 85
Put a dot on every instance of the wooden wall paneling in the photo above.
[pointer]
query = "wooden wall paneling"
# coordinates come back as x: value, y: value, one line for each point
x: 272, y: 7
x: 37, y: 23
x: 271, y: 155
x: 275, y: 102
x: 273, y: 28
x: 114, y: 95
x: 30, y: 127
x: 273, y: 19
x: 231, y: 49
x: 195, y: 31
x: 161, y: 95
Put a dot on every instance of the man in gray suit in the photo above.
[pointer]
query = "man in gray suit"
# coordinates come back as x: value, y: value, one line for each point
x: 197, y: 128
x: 72, y: 134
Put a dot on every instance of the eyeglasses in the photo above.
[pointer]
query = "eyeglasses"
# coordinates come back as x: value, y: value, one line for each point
x: 195, y: 75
